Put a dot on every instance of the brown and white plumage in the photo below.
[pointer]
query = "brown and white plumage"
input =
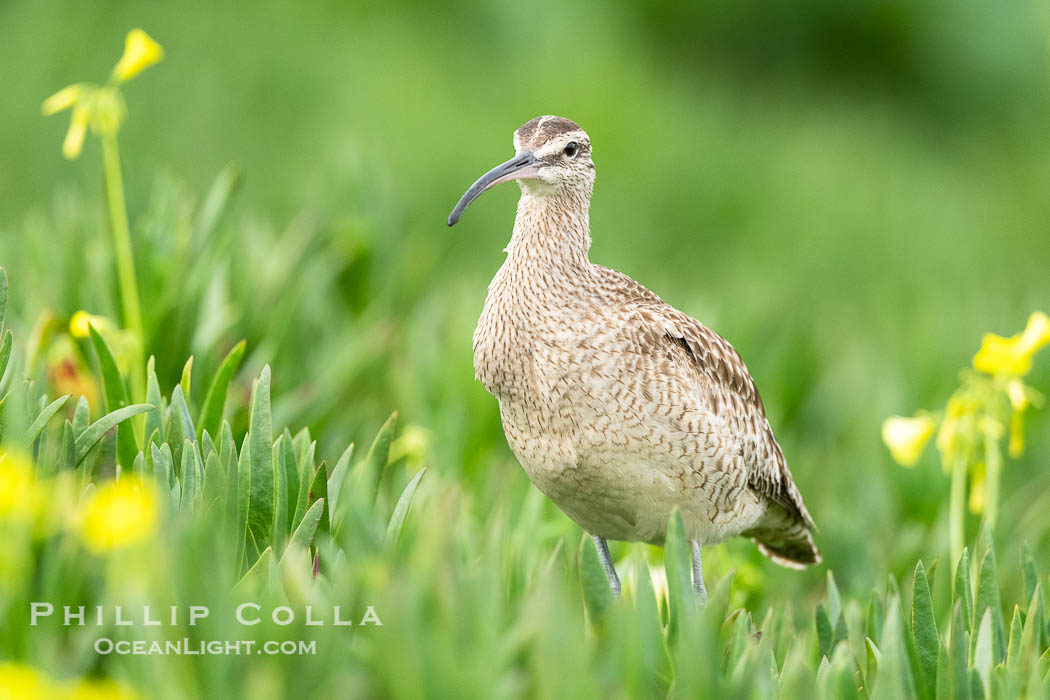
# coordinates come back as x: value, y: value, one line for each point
x: 618, y: 406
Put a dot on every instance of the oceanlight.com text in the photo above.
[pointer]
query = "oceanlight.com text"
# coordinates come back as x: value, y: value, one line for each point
x: 215, y: 647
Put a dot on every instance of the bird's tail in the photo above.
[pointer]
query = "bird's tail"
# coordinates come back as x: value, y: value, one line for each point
x: 785, y: 538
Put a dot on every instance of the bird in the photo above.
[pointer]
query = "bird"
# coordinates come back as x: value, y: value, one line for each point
x: 619, y: 407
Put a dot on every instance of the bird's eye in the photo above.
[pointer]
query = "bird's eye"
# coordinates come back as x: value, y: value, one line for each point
x: 571, y: 149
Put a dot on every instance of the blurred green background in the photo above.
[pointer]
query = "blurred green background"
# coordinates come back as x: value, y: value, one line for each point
x: 850, y: 192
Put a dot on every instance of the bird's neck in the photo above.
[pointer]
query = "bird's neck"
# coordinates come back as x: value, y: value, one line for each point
x: 551, y: 230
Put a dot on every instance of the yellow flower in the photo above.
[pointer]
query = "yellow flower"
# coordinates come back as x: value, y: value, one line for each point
x: 119, y: 514
x: 18, y: 682
x: 78, y: 325
x: 63, y: 99
x: 1013, y: 355
x: 1015, y: 389
x: 412, y: 444
x: 905, y: 437
x: 74, y: 141
x: 140, y: 52
x: 977, y: 491
x: 68, y: 373
x: 16, y: 486
x: 101, y: 690
x: 957, y: 427
x: 1016, y: 444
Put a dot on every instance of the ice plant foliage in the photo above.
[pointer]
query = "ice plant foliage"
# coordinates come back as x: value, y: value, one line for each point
x: 989, y: 405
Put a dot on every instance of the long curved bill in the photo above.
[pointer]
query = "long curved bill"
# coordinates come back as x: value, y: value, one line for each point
x: 520, y: 167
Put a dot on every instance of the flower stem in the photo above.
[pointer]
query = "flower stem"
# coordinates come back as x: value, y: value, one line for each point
x: 129, y: 291
x: 993, y: 463
x: 957, y: 509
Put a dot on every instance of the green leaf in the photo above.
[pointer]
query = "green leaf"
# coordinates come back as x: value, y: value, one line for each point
x: 397, y: 520
x: 227, y: 447
x: 976, y: 689
x: 318, y: 491
x: 678, y: 564
x: 260, y: 454
x: 90, y: 437
x: 163, y: 466
x: 41, y: 421
x: 279, y: 531
x: 924, y: 634
x: 187, y: 379
x: 895, y: 676
x: 959, y: 652
x: 1031, y: 581
x: 226, y: 184
x: 983, y: 652
x: 138, y: 467
x: 3, y: 299
x: 1025, y: 651
x: 873, y: 617
x: 834, y: 600
x: 180, y: 415
x: 304, y: 534
x: 825, y: 634
x: 256, y: 579
x: 369, y: 473
x: 207, y: 447
x: 291, y: 469
x: 81, y: 417
x: 5, y: 351
x: 337, y: 485
x: 69, y: 446
x: 1031, y: 574
x: 944, y: 672
x: 1014, y: 647
x: 306, y: 475
x: 211, y: 414
x: 737, y: 631
x: 597, y: 595
x: 838, y: 679
x: 1044, y: 670
x: 988, y: 598
x: 961, y: 590
x: 251, y: 550
x: 155, y: 416
x: 214, y: 479
x: 301, y: 441
x: 192, y: 475
x: 115, y: 395
x: 873, y: 658
x: 244, y: 486
x: 228, y: 457
x: 841, y: 632
x: 649, y: 630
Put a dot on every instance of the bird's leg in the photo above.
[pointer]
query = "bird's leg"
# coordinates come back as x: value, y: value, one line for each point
x: 606, y: 559
x: 698, y: 577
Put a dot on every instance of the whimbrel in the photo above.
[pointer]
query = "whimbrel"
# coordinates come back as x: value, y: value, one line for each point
x: 618, y: 406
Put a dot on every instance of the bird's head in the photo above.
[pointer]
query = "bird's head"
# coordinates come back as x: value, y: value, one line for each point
x: 552, y: 158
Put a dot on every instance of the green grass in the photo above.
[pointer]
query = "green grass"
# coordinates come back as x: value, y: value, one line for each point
x: 852, y: 220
